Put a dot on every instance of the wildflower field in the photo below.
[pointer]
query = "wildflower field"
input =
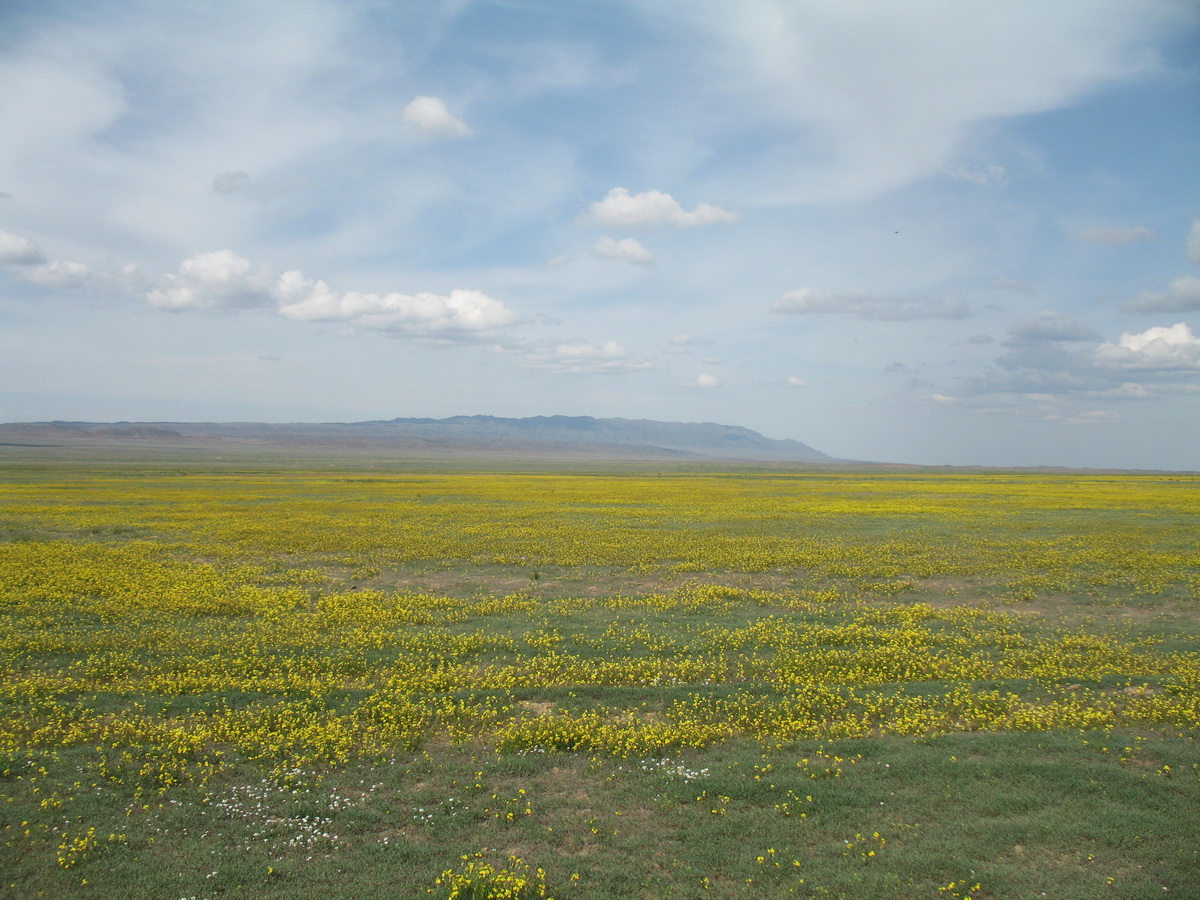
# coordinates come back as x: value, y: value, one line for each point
x: 329, y: 678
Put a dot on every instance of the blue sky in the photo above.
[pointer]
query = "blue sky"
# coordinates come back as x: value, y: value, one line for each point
x: 920, y: 231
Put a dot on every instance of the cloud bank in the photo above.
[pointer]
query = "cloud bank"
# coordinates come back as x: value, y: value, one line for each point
x: 1137, y: 366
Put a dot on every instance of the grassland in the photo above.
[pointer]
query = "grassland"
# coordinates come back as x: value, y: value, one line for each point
x: 343, y: 678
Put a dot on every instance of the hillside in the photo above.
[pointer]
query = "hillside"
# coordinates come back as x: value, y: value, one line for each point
x: 542, y: 435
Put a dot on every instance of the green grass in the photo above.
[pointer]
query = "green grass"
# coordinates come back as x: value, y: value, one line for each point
x: 1020, y: 815
x: 194, y: 569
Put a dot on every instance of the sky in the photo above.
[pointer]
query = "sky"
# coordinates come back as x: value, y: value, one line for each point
x: 919, y: 231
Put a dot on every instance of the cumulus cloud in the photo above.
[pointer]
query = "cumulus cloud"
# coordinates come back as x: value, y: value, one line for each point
x: 1049, y: 326
x: 32, y: 266
x: 463, y: 312
x: 1167, y: 358
x: 865, y: 305
x: 59, y: 274
x: 1102, y: 234
x: 580, y: 357
x: 793, y: 381
x: 214, y: 280
x: 1161, y: 348
x: 1183, y: 294
x: 224, y: 280
x: 430, y: 117
x: 621, y: 209
x: 19, y: 251
x: 626, y: 250
x: 705, y: 380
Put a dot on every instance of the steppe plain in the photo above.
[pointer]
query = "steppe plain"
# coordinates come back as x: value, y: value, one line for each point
x: 231, y: 672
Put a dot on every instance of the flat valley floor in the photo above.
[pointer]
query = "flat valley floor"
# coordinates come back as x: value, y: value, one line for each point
x: 342, y: 675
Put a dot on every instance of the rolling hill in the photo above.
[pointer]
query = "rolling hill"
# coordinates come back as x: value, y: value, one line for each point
x: 574, y: 436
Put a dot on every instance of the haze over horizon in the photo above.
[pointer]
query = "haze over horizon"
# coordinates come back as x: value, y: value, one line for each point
x: 919, y: 232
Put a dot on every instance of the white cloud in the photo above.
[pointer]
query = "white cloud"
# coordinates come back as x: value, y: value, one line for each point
x: 1183, y: 294
x: 580, y: 357
x: 796, y: 382
x: 811, y: 301
x: 214, y: 280
x: 1163, y: 348
x: 115, y: 124
x: 866, y: 97
x: 54, y: 274
x: 681, y: 343
x: 1167, y: 357
x: 462, y: 313
x: 1102, y: 234
x: 620, y: 208
x: 627, y: 250
x: 431, y: 118
x: 19, y: 251
x: 60, y: 274
x: 705, y: 380
x: 223, y: 279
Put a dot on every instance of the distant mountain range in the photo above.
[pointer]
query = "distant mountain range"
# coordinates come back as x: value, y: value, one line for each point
x: 576, y: 436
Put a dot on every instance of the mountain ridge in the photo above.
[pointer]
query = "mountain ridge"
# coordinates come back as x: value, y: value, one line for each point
x: 645, y: 438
